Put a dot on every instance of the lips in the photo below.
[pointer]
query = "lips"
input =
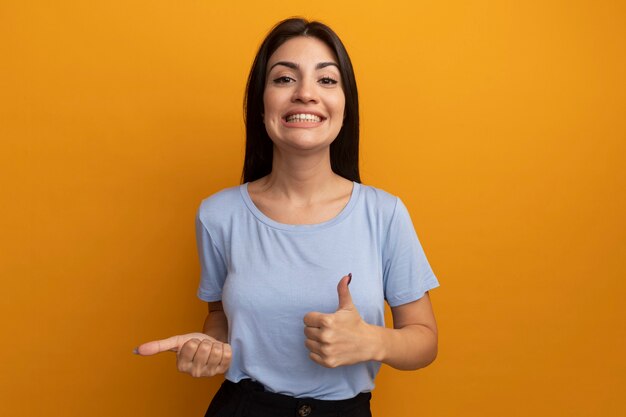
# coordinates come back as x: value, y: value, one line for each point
x: 303, y: 117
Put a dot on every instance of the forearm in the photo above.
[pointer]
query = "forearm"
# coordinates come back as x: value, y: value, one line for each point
x: 411, y: 347
x: 216, y: 325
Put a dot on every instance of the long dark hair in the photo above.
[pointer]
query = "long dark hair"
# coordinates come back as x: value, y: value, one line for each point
x: 344, y: 150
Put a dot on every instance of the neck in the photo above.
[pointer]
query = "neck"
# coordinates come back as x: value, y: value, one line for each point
x: 301, y: 178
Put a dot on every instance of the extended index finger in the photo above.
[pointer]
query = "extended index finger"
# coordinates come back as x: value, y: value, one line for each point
x: 158, y: 346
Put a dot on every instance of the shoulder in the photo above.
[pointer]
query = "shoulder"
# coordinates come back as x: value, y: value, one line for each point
x: 379, y: 200
x: 220, y: 205
x: 388, y: 209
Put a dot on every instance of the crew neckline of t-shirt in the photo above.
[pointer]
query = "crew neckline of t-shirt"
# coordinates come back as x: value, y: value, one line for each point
x: 356, y: 187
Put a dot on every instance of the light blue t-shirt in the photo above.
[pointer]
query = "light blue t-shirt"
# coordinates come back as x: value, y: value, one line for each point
x: 268, y: 275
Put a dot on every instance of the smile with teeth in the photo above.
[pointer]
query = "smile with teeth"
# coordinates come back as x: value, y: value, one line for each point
x: 302, y: 117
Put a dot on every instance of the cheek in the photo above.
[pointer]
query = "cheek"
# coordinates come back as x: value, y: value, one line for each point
x: 272, y: 102
x: 340, y: 105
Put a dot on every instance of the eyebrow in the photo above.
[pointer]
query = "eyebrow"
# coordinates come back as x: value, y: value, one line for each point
x: 295, y: 66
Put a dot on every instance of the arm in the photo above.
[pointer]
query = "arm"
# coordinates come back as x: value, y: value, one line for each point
x: 412, y: 343
x: 216, y: 324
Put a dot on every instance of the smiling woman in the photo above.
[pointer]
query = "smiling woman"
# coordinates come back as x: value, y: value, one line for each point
x: 303, y: 100
x: 344, y: 151
x: 284, y: 326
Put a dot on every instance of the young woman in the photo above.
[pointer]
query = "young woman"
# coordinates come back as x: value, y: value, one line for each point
x: 298, y: 260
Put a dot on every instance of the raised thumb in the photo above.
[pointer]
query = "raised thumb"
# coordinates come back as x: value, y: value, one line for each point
x: 343, y: 291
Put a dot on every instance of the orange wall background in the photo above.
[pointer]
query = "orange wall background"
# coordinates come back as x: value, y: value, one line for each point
x: 501, y: 124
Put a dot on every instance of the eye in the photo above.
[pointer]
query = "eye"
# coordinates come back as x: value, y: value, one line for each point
x: 283, y: 80
x: 327, y: 81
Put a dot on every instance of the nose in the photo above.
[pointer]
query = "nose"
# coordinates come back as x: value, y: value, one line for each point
x: 305, y: 92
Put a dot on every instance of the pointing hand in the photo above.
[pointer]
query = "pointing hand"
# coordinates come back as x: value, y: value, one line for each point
x: 197, y: 354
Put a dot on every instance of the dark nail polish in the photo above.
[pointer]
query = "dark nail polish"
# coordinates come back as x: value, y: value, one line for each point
x: 349, y: 278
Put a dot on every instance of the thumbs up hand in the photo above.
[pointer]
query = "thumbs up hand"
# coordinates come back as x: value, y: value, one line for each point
x: 340, y: 338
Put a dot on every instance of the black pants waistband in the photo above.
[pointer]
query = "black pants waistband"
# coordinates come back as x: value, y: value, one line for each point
x: 249, y: 399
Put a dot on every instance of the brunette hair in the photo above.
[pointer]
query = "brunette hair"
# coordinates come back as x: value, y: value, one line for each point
x: 344, y: 150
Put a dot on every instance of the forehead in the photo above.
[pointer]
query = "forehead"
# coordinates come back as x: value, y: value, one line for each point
x: 303, y: 50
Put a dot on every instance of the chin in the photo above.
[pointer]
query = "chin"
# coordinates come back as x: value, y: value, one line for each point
x: 303, y: 143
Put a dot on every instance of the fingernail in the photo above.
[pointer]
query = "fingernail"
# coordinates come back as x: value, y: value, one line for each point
x: 136, y: 351
x: 349, y: 278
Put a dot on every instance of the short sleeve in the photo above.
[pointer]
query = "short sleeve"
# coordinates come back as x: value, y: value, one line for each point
x: 212, y: 265
x: 407, y: 275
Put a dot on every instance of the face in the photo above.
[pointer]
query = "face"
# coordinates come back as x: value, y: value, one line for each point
x: 303, y: 98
